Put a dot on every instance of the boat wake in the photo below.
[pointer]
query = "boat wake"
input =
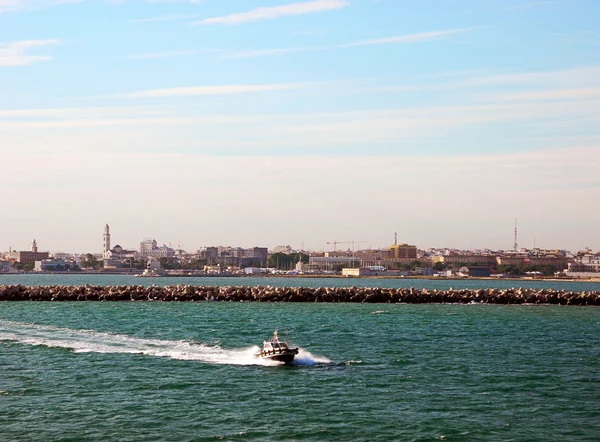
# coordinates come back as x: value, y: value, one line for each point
x: 306, y: 358
x: 90, y: 341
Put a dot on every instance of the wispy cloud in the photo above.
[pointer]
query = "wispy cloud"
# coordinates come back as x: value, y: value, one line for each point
x: 171, y: 17
x: 11, y: 5
x: 551, y: 95
x: 231, y: 89
x: 267, y: 52
x: 409, y: 38
x: 18, y: 5
x: 535, y: 4
x: 167, y: 54
x: 15, y: 53
x: 270, y: 13
x: 587, y: 76
x: 83, y: 112
x: 398, y: 39
x: 308, y: 32
x: 354, y: 127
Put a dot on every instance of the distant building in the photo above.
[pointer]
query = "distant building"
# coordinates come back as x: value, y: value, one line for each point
x: 465, y: 260
x: 236, y: 256
x: 356, y: 272
x: 60, y: 255
x: 474, y: 271
x: 114, y: 258
x: 5, y: 266
x: 261, y: 254
x: 328, y: 263
x: 27, y: 257
x: 282, y: 249
x: 402, y: 251
x: 591, y: 262
x: 50, y: 265
x: 106, y: 237
x: 149, y: 248
x: 558, y: 263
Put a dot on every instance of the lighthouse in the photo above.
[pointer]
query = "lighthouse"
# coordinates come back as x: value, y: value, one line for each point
x: 106, y: 240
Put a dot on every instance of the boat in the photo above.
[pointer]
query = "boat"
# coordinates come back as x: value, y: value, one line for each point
x: 152, y: 269
x: 150, y: 273
x: 277, y: 349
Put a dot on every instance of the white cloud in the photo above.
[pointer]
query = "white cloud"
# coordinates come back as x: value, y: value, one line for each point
x: 399, y: 39
x: 588, y: 76
x: 162, y: 18
x: 557, y: 94
x: 535, y: 4
x: 54, y: 114
x: 230, y: 89
x: 310, y: 130
x: 168, y: 54
x: 15, y: 53
x: 11, y: 5
x: 17, y: 5
x: 270, y: 13
x: 409, y: 38
x: 266, y: 52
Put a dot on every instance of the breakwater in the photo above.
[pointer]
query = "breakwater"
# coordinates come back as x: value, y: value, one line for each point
x: 188, y: 293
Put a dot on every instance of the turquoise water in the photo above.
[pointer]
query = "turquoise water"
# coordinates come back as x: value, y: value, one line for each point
x: 81, y: 279
x: 183, y: 372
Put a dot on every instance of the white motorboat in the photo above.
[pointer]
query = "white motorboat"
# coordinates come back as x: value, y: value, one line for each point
x: 277, y: 349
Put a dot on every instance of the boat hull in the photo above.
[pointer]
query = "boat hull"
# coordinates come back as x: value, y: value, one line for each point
x: 283, y: 357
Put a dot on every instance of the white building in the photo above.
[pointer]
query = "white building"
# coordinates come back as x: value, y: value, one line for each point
x: 147, y: 245
x: 591, y: 261
x: 150, y: 248
x: 283, y: 249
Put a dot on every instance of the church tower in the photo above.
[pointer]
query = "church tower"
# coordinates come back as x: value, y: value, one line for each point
x: 106, y: 239
x: 34, y: 248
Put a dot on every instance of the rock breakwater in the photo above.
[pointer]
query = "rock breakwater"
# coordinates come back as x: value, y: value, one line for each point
x: 187, y: 293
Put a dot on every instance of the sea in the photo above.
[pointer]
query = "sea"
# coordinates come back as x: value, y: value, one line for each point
x: 153, y: 371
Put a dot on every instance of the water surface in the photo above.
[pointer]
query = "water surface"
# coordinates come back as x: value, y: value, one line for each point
x: 184, y: 371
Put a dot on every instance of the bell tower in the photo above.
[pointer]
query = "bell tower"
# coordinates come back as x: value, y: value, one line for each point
x: 106, y: 239
x: 34, y: 247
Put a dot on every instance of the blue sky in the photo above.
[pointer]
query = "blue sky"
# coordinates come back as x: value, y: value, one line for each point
x: 279, y: 122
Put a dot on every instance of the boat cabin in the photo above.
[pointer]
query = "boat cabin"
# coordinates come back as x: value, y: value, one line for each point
x: 275, y: 345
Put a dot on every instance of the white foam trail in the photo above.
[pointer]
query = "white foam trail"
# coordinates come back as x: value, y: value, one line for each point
x: 82, y: 341
x: 306, y: 358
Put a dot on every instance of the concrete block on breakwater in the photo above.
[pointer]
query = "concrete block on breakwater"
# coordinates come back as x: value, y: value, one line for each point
x: 187, y: 293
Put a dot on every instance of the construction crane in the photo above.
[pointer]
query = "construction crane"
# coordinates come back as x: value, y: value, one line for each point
x: 355, y: 242
x: 335, y: 243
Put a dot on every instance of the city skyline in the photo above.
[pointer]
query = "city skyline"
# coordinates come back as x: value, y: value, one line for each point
x: 300, y: 122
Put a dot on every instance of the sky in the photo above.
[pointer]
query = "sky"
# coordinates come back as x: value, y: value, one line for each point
x: 275, y: 122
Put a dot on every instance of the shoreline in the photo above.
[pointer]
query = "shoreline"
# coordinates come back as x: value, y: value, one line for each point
x: 316, y: 276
